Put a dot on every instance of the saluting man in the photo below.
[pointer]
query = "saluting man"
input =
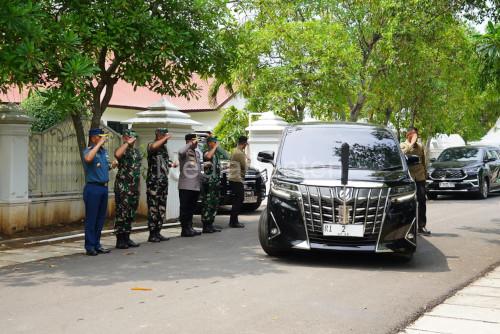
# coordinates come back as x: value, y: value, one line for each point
x: 157, y: 183
x: 419, y: 174
x: 210, y: 192
x: 95, y: 192
x: 127, y: 188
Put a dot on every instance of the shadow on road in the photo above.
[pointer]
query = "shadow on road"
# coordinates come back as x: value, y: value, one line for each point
x: 228, y: 255
x: 428, y: 258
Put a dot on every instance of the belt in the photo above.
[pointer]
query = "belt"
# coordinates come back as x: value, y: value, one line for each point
x: 102, y: 184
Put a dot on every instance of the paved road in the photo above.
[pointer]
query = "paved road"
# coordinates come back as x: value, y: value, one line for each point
x: 224, y: 283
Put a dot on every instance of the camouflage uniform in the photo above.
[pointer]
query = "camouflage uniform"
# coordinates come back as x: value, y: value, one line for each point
x: 157, y: 187
x: 210, y: 191
x: 127, y: 189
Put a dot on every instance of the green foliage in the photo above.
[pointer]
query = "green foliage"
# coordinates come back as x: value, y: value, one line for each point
x: 488, y: 49
x: 154, y: 43
x: 404, y: 62
x: 231, y: 126
x: 21, y: 33
x: 44, y: 114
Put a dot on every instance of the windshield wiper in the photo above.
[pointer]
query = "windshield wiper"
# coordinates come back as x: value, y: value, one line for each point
x: 322, y: 166
x: 392, y: 168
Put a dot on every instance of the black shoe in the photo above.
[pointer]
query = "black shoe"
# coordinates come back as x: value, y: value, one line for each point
x: 424, y: 231
x: 236, y: 225
x: 153, y: 237
x: 210, y: 228
x: 161, y: 237
x: 102, y: 250
x: 130, y: 243
x: 187, y: 233
x: 195, y: 232
x: 121, y: 242
x: 91, y: 253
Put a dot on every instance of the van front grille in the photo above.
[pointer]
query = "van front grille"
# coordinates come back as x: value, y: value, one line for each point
x: 448, y: 174
x: 323, y: 205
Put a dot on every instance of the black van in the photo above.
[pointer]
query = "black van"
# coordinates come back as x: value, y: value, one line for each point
x: 339, y: 187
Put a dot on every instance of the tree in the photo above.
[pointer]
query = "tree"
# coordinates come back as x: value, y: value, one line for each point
x: 231, y: 126
x: 158, y: 44
x: 488, y: 49
x: 21, y: 31
x: 44, y: 114
x: 405, y: 62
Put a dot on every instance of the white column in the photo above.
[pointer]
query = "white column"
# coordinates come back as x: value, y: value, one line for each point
x: 265, y: 135
x: 162, y: 114
x: 14, y: 200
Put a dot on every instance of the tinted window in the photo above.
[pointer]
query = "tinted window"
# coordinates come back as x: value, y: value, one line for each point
x: 461, y: 154
x: 492, y: 154
x: 310, y: 147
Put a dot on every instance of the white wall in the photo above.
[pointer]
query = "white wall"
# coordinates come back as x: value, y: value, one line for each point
x: 208, y: 119
x: 118, y: 114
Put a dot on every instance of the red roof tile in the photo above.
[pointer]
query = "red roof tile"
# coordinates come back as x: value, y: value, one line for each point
x: 124, y: 96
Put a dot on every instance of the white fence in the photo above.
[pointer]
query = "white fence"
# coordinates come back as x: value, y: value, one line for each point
x: 55, y: 167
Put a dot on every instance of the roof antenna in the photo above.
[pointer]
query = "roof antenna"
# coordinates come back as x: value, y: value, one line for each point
x: 344, y: 160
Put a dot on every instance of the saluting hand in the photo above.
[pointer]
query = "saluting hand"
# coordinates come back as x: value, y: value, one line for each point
x: 131, y: 140
x: 102, y: 141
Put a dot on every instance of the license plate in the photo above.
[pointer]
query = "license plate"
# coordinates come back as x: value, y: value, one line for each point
x: 339, y: 230
x: 250, y: 197
x: 446, y: 185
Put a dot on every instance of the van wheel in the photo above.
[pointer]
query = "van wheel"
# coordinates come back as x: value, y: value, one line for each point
x: 264, y: 237
x: 484, y: 189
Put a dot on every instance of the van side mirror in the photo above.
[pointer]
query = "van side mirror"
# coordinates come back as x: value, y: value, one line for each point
x: 266, y: 157
x: 413, y: 160
x: 433, y: 160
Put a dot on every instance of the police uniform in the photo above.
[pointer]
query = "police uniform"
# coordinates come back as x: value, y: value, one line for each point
x: 157, y: 189
x: 189, y: 185
x: 210, y: 190
x: 95, y: 196
x: 127, y: 193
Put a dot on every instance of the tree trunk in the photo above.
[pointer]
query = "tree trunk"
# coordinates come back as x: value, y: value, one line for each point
x: 413, y: 115
x: 388, y: 113
x: 99, y: 106
x: 80, y: 133
x: 356, y: 109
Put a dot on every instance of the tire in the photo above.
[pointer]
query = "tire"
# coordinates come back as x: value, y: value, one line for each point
x: 251, y: 207
x: 484, y: 189
x: 264, y: 240
x: 432, y: 196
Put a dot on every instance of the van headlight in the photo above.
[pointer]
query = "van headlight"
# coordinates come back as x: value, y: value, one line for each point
x: 284, y: 189
x: 403, y: 193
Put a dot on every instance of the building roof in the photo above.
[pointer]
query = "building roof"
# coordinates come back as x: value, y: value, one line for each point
x: 124, y: 96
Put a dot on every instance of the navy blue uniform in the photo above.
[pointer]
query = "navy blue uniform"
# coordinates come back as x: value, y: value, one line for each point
x: 95, y: 197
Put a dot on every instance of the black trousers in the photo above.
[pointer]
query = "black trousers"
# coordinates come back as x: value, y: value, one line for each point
x: 238, y: 192
x: 422, y: 206
x: 188, y: 200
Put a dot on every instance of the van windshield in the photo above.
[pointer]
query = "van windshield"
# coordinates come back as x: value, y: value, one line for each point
x: 319, y: 147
